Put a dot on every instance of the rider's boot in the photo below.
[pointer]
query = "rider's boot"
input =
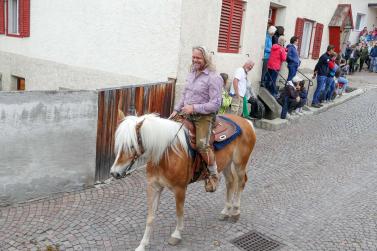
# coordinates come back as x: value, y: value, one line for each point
x: 213, y: 180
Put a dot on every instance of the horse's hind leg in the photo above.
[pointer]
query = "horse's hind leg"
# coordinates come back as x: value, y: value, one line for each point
x: 180, y: 194
x: 153, y: 197
x: 230, y: 186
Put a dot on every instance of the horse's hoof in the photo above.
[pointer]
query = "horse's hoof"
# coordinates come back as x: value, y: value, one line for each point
x: 223, y: 217
x: 235, y: 218
x: 174, y: 241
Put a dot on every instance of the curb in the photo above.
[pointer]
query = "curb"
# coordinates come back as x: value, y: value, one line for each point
x: 278, y: 123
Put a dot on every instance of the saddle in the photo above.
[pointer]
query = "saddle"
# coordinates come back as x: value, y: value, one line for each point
x: 224, y: 131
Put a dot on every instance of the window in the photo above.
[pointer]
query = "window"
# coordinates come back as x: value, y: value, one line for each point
x: 230, y: 26
x: 13, y: 10
x: 305, y: 41
x: 360, y: 21
x: 18, y: 18
x: 304, y: 29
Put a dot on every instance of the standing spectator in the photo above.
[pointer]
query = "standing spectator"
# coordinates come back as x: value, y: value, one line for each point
x: 239, y: 86
x: 347, y: 52
x: 364, y: 56
x: 277, y: 57
x: 293, y: 59
x: 373, y: 58
x: 321, y: 71
x: 226, y: 98
x: 355, y: 54
x: 267, y: 49
x: 279, y: 32
x: 200, y: 101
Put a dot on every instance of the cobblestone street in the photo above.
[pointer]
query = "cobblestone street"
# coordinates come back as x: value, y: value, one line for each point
x: 312, y: 186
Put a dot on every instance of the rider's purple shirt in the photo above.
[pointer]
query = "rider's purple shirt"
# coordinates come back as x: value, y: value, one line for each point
x: 203, y: 92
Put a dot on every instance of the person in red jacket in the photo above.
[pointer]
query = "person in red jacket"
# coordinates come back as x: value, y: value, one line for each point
x: 277, y: 57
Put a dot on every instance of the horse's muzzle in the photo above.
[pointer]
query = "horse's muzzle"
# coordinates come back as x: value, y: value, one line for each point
x: 116, y: 175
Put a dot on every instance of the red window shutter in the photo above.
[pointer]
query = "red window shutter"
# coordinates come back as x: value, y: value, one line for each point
x: 317, y: 41
x: 2, y: 17
x: 24, y: 18
x: 299, y: 31
x: 230, y: 26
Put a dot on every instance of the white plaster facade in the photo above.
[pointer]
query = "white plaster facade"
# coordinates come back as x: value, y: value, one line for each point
x: 78, y: 45
x: 134, y: 40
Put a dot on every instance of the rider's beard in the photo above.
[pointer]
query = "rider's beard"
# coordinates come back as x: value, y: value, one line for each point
x: 197, y: 66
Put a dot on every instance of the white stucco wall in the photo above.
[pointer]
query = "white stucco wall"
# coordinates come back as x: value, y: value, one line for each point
x: 372, y: 18
x: 135, y: 38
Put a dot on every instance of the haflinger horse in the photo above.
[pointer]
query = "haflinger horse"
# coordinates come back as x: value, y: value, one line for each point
x: 162, y: 145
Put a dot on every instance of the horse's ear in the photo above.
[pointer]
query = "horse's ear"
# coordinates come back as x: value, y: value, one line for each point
x: 120, y: 116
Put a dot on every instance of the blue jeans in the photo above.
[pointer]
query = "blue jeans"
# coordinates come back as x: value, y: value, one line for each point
x: 373, y: 64
x: 288, y: 105
x: 270, y: 80
x: 321, y: 84
x: 330, y: 88
x: 292, y: 70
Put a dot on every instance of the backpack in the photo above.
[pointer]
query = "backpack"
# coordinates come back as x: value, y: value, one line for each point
x: 257, y: 109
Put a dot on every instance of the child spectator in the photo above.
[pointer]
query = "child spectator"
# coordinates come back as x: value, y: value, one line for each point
x: 226, y: 98
x: 303, y: 94
x: 341, y: 83
x: 330, y: 84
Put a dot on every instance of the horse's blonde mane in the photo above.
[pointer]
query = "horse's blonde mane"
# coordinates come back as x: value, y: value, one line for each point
x: 157, y: 136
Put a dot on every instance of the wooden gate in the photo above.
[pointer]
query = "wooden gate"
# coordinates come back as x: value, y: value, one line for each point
x: 149, y: 98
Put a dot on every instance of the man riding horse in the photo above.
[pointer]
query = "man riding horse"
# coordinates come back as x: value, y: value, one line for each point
x: 200, y: 102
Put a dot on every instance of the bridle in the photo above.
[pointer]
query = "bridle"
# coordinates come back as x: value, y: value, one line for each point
x: 139, y: 153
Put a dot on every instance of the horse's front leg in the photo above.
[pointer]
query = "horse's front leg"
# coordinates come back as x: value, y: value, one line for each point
x: 180, y: 194
x: 230, y: 186
x: 153, y: 197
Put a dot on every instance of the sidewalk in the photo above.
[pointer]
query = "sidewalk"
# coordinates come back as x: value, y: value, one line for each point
x: 363, y: 81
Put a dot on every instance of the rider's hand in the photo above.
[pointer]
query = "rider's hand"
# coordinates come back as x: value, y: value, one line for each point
x: 173, y: 114
x: 188, y: 109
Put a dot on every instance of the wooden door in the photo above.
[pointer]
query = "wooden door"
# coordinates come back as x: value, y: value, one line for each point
x: 20, y: 84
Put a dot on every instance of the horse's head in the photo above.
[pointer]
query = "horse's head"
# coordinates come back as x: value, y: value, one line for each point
x: 128, y: 147
x: 123, y: 162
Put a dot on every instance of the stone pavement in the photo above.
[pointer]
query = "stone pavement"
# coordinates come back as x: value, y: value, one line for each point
x: 312, y: 186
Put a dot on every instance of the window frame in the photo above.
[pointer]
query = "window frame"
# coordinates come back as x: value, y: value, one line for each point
x: 23, y: 19
x: 308, y: 46
x: 9, y: 18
